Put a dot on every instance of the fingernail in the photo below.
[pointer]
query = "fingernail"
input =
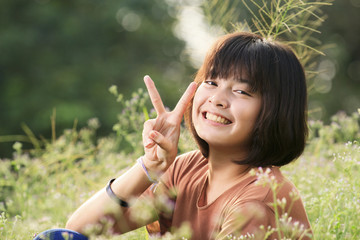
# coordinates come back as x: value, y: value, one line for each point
x: 149, y: 143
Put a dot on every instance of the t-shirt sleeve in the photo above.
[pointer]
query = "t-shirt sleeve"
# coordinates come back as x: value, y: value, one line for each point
x: 245, y: 218
x: 180, y: 167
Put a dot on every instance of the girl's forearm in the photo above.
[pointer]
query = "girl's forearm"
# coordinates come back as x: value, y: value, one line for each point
x: 100, y: 206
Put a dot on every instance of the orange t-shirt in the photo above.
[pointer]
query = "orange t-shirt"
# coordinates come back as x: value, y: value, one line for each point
x: 239, y: 210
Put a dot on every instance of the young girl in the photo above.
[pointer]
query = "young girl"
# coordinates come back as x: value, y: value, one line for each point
x: 246, y: 109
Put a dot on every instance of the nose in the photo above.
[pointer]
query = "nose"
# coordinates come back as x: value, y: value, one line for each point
x: 219, y: 100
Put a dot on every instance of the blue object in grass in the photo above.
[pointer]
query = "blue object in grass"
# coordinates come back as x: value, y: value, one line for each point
x: 60, y: 234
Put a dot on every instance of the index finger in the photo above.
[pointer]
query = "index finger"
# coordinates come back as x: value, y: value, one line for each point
x: 185, y: 99
x: 154, y: 95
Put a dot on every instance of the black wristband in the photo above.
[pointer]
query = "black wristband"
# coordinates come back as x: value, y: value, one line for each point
x: 112, y: 195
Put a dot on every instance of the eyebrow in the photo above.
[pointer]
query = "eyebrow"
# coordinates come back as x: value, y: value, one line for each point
x: 242, y: 80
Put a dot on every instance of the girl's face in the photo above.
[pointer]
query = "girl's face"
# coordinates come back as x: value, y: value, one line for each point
x: 224, y: 113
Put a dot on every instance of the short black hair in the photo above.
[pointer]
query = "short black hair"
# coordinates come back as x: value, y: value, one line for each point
x: 274, y: 72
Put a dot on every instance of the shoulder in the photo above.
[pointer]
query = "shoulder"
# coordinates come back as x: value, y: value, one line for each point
x: 284, y: 190
x: 261, y: 186
x: 288, y: 201
x: 264, y: 182
x: 254, y: 204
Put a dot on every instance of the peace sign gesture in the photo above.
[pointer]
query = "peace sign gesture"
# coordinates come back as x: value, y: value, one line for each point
x: 161, y: 135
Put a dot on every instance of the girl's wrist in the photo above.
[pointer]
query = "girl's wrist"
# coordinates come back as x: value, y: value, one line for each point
x: 151, y: 175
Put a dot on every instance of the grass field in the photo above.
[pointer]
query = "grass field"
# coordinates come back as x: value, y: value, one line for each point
x: 40, y: 188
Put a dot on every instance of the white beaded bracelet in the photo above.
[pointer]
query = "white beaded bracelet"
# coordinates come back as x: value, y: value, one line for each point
x: 140, y: 161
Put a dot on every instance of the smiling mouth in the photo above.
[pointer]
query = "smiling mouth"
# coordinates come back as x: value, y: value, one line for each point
x: 216, y: 118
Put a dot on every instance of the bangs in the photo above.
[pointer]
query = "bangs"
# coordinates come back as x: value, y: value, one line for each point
x: 238, y: 58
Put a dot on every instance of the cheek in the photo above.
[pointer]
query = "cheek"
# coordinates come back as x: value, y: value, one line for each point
x: 249, y: 113
x: 196, y: 108
x: 194, y: 111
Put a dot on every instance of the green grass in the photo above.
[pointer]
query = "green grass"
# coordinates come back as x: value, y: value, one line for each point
x: 40, y: 188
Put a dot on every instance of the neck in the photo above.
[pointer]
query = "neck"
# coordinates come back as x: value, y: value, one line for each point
x: 223, y: 169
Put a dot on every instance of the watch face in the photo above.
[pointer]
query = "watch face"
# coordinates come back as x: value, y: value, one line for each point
x: 59, y: 234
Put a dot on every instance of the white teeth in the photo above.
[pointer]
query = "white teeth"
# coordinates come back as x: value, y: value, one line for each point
x: 216, y: 118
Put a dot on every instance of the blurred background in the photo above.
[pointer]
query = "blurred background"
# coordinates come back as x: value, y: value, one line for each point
x: 64, y: 55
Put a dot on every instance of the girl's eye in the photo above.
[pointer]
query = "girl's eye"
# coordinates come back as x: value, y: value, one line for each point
x: 209, y: 82
x: 242, y: 92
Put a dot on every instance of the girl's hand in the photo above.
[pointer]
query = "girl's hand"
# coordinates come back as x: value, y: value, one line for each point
x: 161, y: 135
